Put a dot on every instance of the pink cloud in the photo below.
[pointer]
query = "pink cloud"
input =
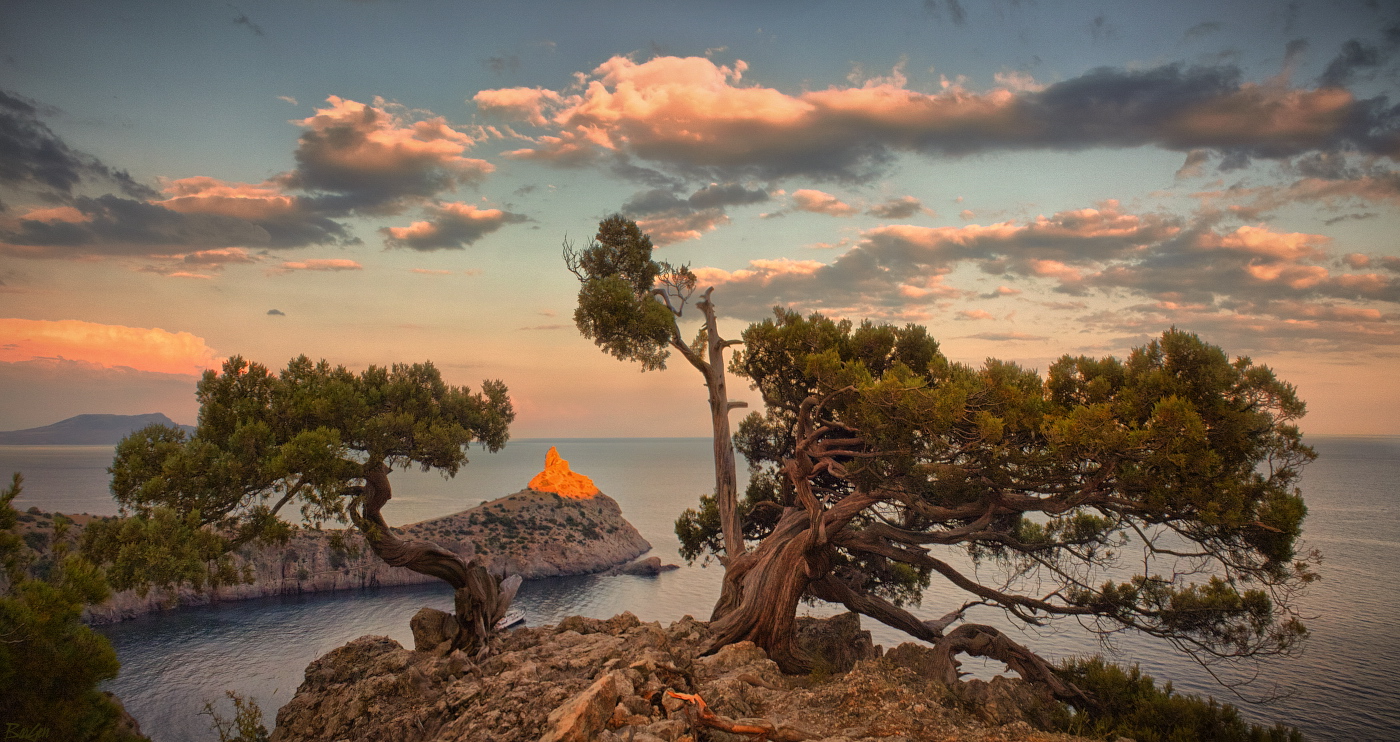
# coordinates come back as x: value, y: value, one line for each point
x: 140, y: 348
x: 693, y: 113
x: 668, y: 228
x: 326, y: 264
x: 378, y: 159
x: 450, y: 226
x: 819, y: 202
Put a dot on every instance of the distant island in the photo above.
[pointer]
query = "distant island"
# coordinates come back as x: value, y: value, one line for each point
x: 86, y: 430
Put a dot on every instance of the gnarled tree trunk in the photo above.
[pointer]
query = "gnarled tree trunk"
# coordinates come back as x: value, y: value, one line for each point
x: 769, y: 583
x: 987, y: 641
x: 481, y: 597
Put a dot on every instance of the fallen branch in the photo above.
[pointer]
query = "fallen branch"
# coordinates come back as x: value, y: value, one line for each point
x: 761, y: 730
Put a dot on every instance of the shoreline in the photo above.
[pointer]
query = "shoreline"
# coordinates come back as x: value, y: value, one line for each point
x: 531, y: 533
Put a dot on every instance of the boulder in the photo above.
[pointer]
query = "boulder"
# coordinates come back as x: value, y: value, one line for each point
x: 580, y: 718
x: 431, y: 627
x: 646, y: 567
x: 836, y: 643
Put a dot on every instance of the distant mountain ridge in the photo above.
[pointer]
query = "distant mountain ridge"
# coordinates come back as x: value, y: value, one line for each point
x: 86, y: 430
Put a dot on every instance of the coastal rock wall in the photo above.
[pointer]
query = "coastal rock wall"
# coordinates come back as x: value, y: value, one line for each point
x: 531, y: 533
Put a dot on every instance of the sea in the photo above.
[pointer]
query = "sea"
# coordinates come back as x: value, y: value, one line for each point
x: 1345, y: 684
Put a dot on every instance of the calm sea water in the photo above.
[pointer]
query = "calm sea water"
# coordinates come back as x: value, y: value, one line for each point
x: 1344, y: 686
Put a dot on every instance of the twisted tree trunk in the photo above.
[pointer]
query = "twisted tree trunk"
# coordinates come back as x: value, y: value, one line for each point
x: 769, y: 584
x: 481, y: 597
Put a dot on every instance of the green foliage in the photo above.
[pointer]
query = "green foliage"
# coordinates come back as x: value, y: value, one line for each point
x: 1178, y: 451
x: 268, y: 440
x: 621, y: 307
x: 246, y: 724
x: 1129, y: 704
x: 50, y: 662
x: 160, y: 548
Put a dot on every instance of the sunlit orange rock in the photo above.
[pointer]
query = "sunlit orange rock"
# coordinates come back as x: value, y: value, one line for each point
x: 557, y: 478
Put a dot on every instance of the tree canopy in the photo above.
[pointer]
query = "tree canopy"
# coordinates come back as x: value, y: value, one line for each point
x: 50, y: 662
x: 321, y: 438
x: 1155, y: 494
x: 629, y: 304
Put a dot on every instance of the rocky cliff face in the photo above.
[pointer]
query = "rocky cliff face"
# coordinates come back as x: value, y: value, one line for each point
x: 531, y: 533
x: 606, y: 681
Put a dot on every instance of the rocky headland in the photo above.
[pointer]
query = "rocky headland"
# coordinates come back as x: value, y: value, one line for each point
x: 560, y: 524
x: 608, y: 680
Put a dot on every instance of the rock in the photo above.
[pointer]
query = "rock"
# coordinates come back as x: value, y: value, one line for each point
x: 646, y: 567
x: 916, y: 657
x: 1005, y: 701
x: 837, y: 643
x: 592, y: 679
x: 532, y: 534
x: 584, y: 715
x: 431, y: 627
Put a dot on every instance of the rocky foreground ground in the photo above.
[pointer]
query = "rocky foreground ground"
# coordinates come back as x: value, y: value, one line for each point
x: 589, y: 679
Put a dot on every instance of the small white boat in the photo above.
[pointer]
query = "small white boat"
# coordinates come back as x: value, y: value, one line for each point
x: 511, y: 618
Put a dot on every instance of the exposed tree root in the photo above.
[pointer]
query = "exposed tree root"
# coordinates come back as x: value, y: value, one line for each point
x: 758, y: 729
x: 986, y: 641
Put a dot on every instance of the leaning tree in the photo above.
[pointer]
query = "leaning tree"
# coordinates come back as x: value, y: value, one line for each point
x: 315, y: 437
x: 1156, y: 494
x: 629, y: 304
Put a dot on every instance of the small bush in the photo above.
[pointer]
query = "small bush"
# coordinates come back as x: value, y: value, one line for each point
x: 1129, y: 704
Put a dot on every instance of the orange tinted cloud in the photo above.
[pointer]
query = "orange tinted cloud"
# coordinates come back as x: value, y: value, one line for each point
x: 378, y: 159
x: 820, y: 202
x: 140, y: 348
x: 328, y: 264
x: 694, y: 113
x: 450, y: 226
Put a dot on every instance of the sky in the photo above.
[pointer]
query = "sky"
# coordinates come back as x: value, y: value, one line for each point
x: 392, y: 181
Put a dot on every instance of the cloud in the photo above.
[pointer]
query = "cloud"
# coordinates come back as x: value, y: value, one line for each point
x: 894, y: 266
x: 1194, y: 165
x: 726, y: 194
x: 378, y: 159
x: 1000, y: 291
x: 548, y: 327
x: 697, y: 117
x: 276, y: 313
x: 1337, y: 187
x: 140, y: 348
x: 669, y: 218
x: 819, y: 202
x: 37, y: 161
x: 289, y: 220
x: 1357, y: 55
x: 897, y: 208
x: 450, y: 226
x: 57, y: 388
x: 1002, y: 337
x: 112, y: 225
x: 200, y: 215
x: 430, y: 272
x: 289, y: 99
x: 327, y: 264
x: 1245, y: 331
x: 1196, y: 267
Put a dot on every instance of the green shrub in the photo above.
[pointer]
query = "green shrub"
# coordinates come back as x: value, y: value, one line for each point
x: 1129, y: 704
